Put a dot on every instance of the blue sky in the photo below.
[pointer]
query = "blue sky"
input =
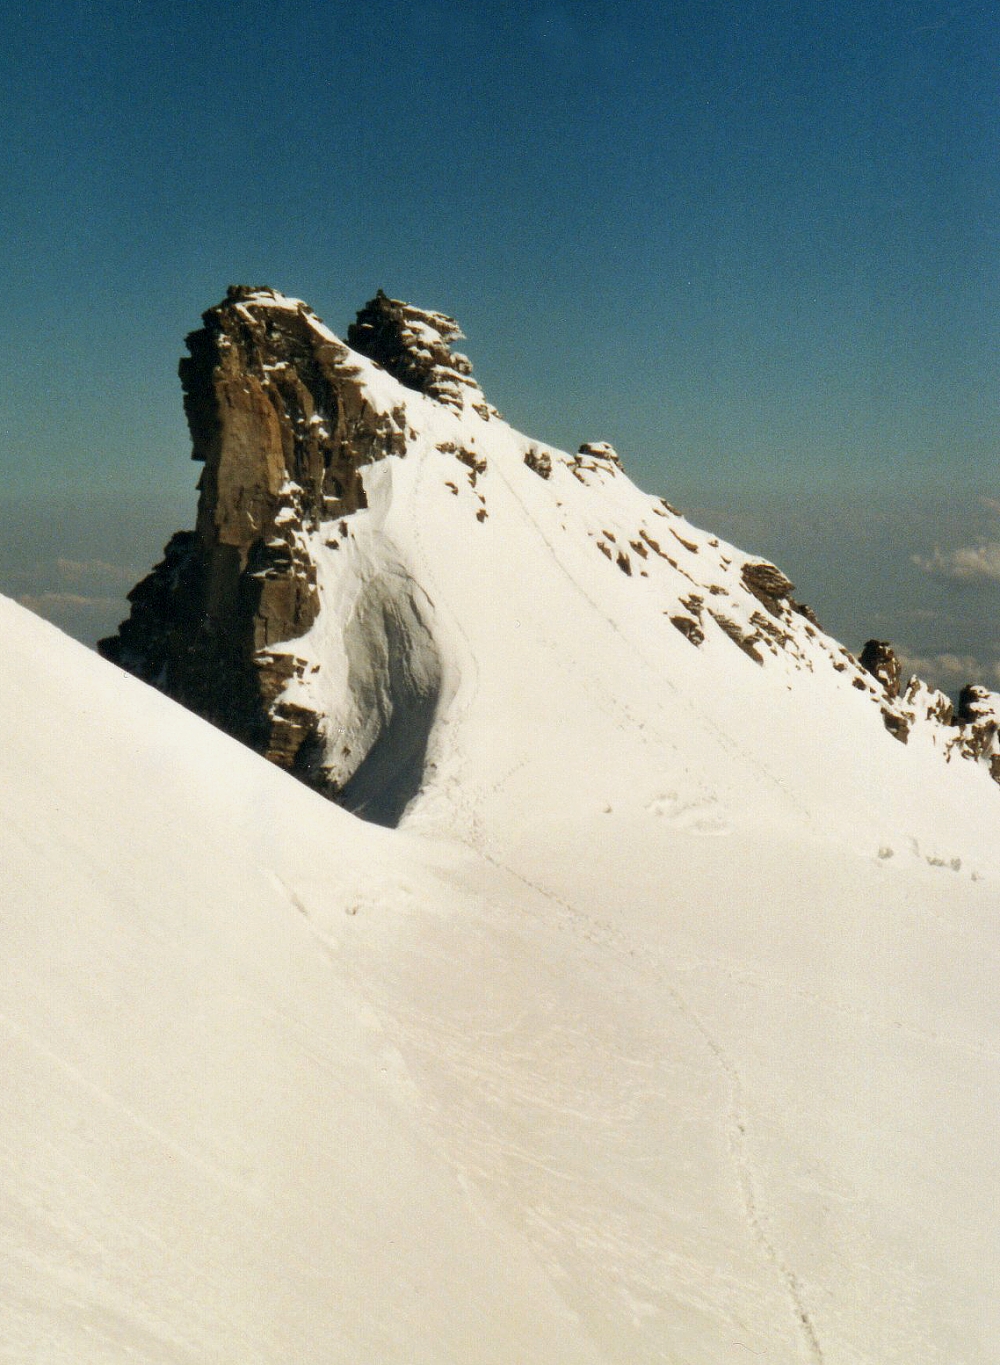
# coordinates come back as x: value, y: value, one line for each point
x: 753, y: 244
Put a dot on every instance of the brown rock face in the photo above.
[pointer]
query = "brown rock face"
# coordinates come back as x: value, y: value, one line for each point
x: 880, y: 659
x: 897, y: 723
x: 977, y: 704
x: 601, y: 451
x: 979, y: 716
x: 768, y: 584
x: 282, y: 431
x: 689, y: 628
x: 540, y: 461
x: 934, y: 704
x: 414, y: 346
x: 747, y: 642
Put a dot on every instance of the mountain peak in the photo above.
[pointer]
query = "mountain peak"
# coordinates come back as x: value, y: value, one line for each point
x: 414, y: 346
x: 364, y: 514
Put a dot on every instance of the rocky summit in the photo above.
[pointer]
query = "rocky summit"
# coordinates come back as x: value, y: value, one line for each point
x: 294, y: 617
x: 282, y: 427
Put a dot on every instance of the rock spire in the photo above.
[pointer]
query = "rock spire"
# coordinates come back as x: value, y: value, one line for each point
x: 414, y: 346
x: 282, y: 428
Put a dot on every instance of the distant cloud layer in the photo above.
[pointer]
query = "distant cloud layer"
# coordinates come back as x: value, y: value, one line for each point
x: 968, y: 563
x: 951, y: 671
x: 94, y: 571
x: 84, y: 597
x: 43, y: 603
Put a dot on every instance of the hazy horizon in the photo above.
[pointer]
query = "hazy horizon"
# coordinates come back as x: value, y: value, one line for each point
x: 754, y: 247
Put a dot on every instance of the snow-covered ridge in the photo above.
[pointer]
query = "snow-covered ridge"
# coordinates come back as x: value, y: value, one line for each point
x: 664, y: 1029
x: 343, y: 482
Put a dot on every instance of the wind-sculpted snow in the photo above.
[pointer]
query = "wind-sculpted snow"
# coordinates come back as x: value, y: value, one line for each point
x: 394, y: 682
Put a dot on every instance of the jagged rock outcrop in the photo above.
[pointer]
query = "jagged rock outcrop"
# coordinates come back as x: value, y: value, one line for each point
x: 903, y: 708
x: 773, y: 590
x: 689, y: 627
x: 978, y: 705
x: 413, y: 344
x: 540, y: 461
x: 601, y: 451
x: 979, y: 715
x: 928, y: 703
x: 282, y: 428
x: 971, y: 731
x: 768, y: 584
x: 882, y: 662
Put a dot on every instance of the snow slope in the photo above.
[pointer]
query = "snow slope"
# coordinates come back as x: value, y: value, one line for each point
x: 642, y: 1087
x: 212, y: 1148
x: 664, y: 1029
x: 551, y: 622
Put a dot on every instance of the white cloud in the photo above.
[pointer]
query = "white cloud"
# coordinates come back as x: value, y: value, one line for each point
x: 94, y: 570
x: 950, y: 671
x: 956, y: 667
x: 87, y: 617
x: 967, y: 563
x: 43, y: 602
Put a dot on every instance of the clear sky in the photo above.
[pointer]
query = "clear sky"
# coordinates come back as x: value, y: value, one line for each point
x: 753, y: 244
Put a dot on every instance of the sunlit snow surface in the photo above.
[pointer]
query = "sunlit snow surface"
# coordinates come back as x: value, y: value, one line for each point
x: 664, y: 1030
